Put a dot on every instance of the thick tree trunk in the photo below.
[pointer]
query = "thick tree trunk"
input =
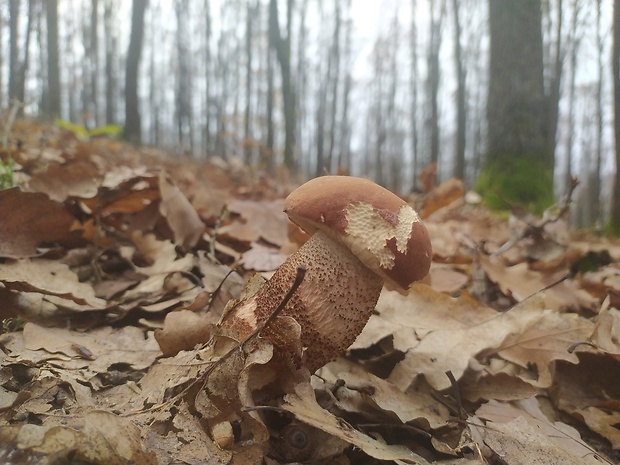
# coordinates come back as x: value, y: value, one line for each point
x: 519, y: 164
x: 615, y: 213
x: 132, y: 113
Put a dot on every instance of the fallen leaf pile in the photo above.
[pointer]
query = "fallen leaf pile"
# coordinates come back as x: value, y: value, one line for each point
x: 116, y: 263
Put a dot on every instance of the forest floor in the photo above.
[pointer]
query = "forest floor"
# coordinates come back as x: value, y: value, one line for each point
x: 116, y: 263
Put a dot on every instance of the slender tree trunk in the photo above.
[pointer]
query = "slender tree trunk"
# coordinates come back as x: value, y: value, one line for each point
x: 207, y: 136
x: 21, y: 90
x: 14, y: 64
x: 436, y: 18
x: 251, y: 10
x: 555, y: 85
x: 52, y: 103
x: 184, y: 81
x: 574, y: 43
x: 414, y: 93
x: 110, y: 68
x: 334, y: 79
x: 595, y: 186
x: 268, y: 154
x: 282, y: 46
x: 94, y: 62
x: 344, y: 159
x: 461, y: 117
x: 133, y: 124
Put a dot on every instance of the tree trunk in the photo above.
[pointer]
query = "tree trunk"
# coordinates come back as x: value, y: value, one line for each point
x: 556, y: 80
x: 614, y: 225
x: 183, y: 91
x: 519, y: 165
x: 110, y: 68
x: 595, y: 185
x: 94, y: 63
x: 414, y: 93
x: 574, y: 44
x: 432, y: 80
x: 13, y: 49
x: 52, y: 107
x: 459, y: 155
x: 132, y: 112
x: 282, y: 47
x: 251, y: 10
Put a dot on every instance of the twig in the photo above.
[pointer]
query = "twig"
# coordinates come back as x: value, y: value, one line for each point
x: 550, y: 215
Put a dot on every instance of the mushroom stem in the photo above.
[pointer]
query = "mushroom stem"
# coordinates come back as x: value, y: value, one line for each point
x: 332, y: 305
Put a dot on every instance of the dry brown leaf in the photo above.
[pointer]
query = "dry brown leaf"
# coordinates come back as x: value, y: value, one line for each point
x: 520, y: 282
x: 181, y: 216
x: 413, y: 405
x: 520, y: 433
x: 263, y: 258
x: 545, y: 338
x: 78, y: 178
x: 303, y: 405
x: 453, y: 341
x: 183, y: 330
x: 105, y: 347
x: 442, y: 195
x: 30, y: 219
x: 447, y: 280
x: 500, y: 386
x: 590, y: 393
x: 265, y: 218
x: 97, y: 437
x: 48, y: 277
x: 606, y: 332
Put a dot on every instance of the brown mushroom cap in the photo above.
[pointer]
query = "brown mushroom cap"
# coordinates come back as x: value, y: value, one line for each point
x: 379, y: 227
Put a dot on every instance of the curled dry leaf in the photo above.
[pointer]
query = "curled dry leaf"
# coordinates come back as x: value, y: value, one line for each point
x: 181, y: 216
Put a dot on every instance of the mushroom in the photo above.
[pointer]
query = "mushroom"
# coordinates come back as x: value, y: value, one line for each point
x: 362, y: 236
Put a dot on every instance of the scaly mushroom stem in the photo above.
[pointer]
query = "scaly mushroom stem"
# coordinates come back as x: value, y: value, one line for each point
x: 332, y: 305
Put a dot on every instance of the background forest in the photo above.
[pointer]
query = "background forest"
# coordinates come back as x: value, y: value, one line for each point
x: 380, y: 89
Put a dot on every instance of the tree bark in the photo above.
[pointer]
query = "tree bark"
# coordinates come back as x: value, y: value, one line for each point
x: 414, y: 78
x: 615, y: 213
x: 461, y: 117
x: 132, y: 111
x: 110, y: 67
x: 519, y: 165
x: 282, y: 47
x: 52, y: 107
x: 13, y: 49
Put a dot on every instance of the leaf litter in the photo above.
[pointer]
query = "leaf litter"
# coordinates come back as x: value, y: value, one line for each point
x: 116, y: 264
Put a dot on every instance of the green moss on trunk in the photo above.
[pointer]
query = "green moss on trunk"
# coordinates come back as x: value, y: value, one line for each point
x: 527, y: 181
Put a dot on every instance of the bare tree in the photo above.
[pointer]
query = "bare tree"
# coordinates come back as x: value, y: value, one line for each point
x: 133, y: 124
